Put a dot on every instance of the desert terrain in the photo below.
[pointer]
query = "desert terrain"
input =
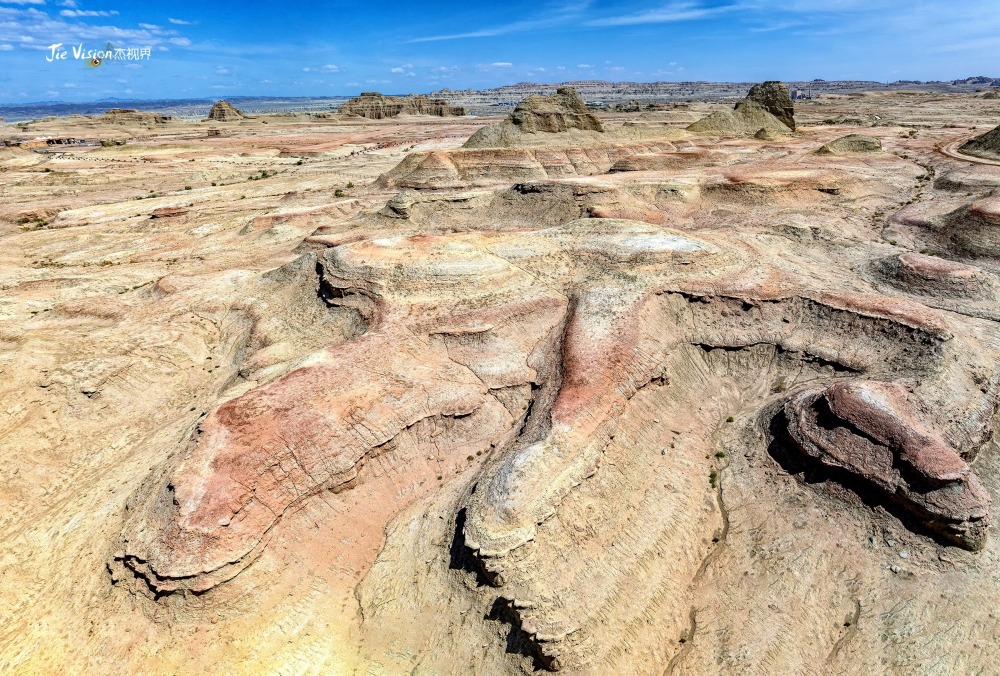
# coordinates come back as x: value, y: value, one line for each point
x: 595, y: 393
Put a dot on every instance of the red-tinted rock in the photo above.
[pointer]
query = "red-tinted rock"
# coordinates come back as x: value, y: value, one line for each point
x: 868, y: 434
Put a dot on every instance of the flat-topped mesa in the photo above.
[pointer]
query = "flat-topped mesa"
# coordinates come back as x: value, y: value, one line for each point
x: 224, y: 111
x: 986, y: 146
x: 375, y: 106
x: 127, y: 115
x: 867, y: 432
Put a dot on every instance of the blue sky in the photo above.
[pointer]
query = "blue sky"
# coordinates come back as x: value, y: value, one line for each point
x: 218, y: 49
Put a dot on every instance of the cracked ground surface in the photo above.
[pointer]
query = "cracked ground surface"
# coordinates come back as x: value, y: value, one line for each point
x: 693, y: 415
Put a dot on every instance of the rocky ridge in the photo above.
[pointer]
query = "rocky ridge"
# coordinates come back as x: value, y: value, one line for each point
x: 375, y: 106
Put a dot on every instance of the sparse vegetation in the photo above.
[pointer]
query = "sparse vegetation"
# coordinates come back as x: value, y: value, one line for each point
x: 264, y: 173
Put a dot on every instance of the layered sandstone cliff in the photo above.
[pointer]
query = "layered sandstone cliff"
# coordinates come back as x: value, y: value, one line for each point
x: 375, y: 106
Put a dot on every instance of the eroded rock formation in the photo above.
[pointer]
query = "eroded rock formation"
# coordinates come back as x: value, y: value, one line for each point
x: 527, y: 348
x: 774, y: 96
x: 224, y: 111
x: 747, y: 119
x: 867, y: 431
x: 559, y: 113
x: 375, y: 106
x: 766, y: 112
x: 986, y: 146
x: 852, y: 143
x: 632, y: 401
x: 131, y: 116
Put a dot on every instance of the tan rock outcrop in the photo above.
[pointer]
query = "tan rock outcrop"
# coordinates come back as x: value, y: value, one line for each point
x: 131, y: 116
x: 559, y: 113
x: 852, y: 143
x: 375, y: 106
x: 747, y: 119
x: 224, y: 111
x: 471, y: 167
x: 774, y: 96
x: 766, y: 112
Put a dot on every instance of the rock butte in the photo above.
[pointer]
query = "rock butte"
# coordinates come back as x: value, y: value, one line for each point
x: 375, y: 106
x: 578, y: 391
x: 224, y: 111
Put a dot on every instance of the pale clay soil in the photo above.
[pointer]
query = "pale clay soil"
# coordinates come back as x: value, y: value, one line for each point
x: 489, y: 428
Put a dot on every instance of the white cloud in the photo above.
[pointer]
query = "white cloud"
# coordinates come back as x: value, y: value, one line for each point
x: 501, y: 64
x: 6, y: 48
x: 569, y: 12
x: 307, y: 69
x: 179, y: 22
x: 87, y: 12
x: 678, y: 11
x: 35, y: 29
x: 180, y: 42
x: 24, y: 2
x: 149, y: 26
x: 398, y: 70
x: 583, y: 65
x: 68, y: 3
x: 221, y: 70
x: 331, y: 68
